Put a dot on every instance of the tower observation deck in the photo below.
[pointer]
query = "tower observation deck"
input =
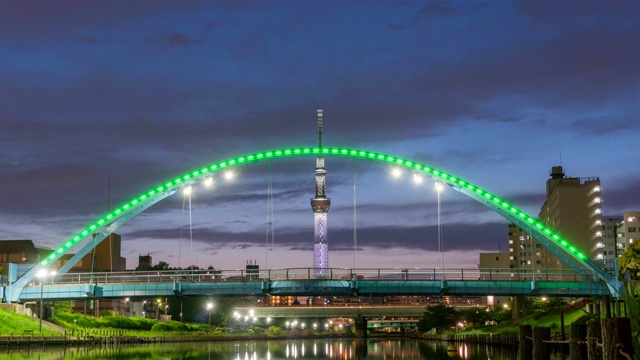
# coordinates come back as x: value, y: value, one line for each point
x: 320, y: 205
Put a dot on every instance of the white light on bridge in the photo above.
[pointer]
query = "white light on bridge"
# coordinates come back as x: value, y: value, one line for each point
x: 417, y: 179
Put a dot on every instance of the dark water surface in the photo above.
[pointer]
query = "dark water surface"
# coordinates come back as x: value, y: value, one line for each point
x: 345, y: 349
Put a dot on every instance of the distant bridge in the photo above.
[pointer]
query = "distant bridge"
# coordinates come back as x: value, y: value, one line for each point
x: 303, y: 282
x: 350, y: 311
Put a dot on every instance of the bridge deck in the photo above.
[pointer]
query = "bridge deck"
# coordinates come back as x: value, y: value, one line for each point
x: 301, y: 282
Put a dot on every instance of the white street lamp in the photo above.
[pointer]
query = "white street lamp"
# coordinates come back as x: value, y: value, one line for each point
x: 42, y: 275
x: 439, y: 189
x: 209, y: 307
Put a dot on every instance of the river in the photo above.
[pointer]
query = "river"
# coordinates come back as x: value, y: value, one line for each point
x: 345, y: 349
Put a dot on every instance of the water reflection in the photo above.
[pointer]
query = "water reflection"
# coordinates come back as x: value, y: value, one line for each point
x: 343, y: 349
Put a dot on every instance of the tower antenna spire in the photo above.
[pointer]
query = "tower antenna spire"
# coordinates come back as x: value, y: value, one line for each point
x: 320, y: 128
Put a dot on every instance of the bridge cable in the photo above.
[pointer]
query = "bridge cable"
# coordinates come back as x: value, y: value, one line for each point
x: 111, y: 234
x: 190, y: 228
x: 355, y: 224
x: 184, y: 200
x: 266, y: 244
x: 269, y: 217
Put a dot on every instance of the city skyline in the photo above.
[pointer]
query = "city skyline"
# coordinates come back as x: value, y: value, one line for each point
x: 133, y: 94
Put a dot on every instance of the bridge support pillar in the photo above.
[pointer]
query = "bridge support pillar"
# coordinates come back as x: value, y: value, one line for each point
x: 361, y: 327
x: 519, y: 307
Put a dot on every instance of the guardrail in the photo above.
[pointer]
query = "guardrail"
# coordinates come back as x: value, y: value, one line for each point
x: 365, y: 274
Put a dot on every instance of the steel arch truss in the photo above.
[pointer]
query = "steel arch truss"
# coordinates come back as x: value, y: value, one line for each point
x: 107, y: 224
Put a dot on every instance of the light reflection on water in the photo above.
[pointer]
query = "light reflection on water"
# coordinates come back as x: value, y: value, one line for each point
x: 343, y: 349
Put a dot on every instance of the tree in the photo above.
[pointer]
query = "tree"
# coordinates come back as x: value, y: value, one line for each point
x: 162, y: 265
x: 549, y: 305
x: 630, y: 260
x: 439, y: 317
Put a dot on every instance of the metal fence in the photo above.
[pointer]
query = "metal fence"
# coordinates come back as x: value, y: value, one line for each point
x: 364, y: 274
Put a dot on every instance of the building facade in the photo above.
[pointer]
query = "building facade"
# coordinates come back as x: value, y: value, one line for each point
x: 572, y: 209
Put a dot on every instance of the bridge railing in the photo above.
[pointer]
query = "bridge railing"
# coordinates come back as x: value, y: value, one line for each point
x: 365, y: 274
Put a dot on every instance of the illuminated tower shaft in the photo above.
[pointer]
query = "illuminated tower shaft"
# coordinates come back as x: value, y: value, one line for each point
x: 320, y: 205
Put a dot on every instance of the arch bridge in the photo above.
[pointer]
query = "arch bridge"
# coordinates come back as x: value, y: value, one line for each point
x: 102, y: 227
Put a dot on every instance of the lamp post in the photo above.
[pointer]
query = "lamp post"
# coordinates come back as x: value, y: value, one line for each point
x: 209, y: 307
x: 126, y: 301
x: 42, y: 275
x: 439, y: 189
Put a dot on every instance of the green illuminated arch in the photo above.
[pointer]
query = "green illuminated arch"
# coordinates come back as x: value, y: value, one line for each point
x: 111, y: 221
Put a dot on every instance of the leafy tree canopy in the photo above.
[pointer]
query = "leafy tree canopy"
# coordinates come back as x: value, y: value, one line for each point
x: 630, y: 260
x: 439, y: 317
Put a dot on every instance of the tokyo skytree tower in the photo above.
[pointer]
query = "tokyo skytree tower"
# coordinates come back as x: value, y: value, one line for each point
x: 320, y: 205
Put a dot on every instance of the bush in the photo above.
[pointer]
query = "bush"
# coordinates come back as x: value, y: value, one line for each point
x: 170, y: 326
x: 274, y: 331
x: 104, y: 313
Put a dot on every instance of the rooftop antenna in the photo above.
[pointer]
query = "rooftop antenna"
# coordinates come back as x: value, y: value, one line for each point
x: 560, y: 157
x: 320, y: 129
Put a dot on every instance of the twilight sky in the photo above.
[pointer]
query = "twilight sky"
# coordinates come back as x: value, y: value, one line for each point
x: 138, y: 92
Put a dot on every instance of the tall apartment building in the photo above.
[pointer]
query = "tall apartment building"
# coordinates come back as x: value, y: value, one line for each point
x: 524, y: 251
x: 618, y: 233
x: 573, y: 209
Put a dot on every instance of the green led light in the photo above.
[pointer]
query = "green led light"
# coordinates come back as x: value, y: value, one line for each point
x: 172, y: 185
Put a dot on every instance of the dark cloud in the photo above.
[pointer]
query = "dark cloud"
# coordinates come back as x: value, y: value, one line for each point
x: 485, y: 95
x: 87, y: 39
x: 178, y: 39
